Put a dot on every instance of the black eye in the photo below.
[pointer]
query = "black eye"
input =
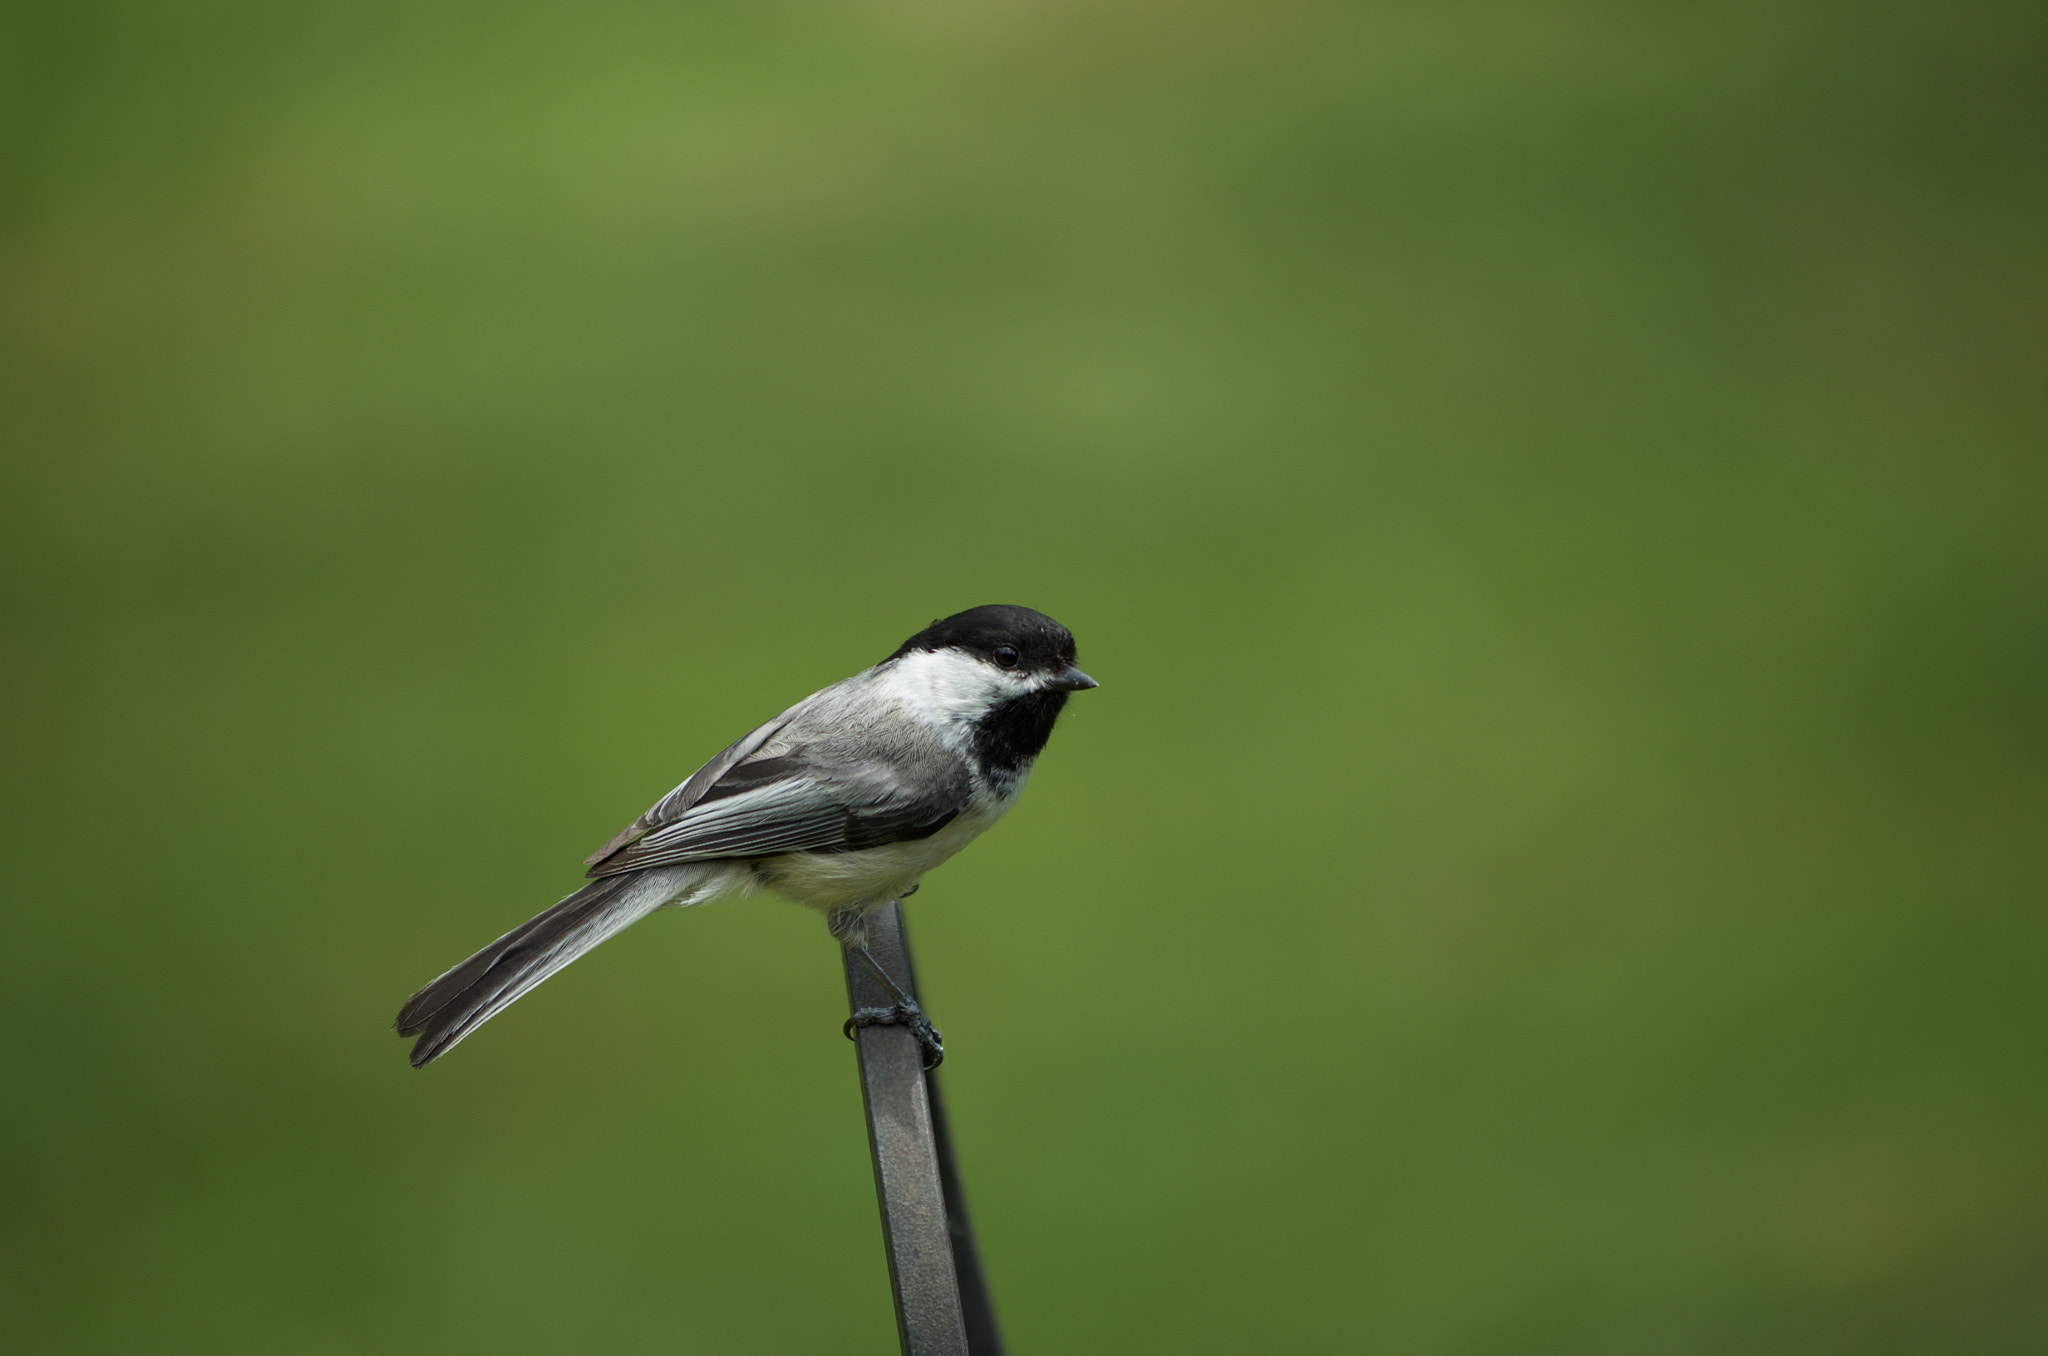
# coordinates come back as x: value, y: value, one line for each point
x: 1006, y: 655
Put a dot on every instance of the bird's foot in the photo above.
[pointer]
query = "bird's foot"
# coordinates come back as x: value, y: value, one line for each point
x: 904, y: 1012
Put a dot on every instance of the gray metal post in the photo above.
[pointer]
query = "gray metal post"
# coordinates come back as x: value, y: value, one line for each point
x: 914, y: 1225
x: 977, y: 1305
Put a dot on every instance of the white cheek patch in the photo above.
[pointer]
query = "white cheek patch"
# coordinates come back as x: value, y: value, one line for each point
x: 952, y: 685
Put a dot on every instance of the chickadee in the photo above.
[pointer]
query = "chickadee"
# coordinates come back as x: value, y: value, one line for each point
x: 842, y: 802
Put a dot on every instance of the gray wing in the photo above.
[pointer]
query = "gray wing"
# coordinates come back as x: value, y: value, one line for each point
x: 758, y: 802
x: 677, y: 803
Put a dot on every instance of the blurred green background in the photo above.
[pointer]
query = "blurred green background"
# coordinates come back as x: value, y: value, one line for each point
x: 1554, y: 494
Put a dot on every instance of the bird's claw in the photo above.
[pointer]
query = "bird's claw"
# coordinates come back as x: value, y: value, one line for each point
x: 903, y: 1013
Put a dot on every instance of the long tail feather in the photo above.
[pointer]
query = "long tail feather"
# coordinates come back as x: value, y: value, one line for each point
x: 483, y: 986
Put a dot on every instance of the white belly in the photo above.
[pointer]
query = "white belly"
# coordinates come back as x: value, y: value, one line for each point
x: 870, y: 878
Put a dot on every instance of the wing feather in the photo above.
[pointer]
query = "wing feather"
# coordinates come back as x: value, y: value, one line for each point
x: 797, y: 784
x: 797, y: 812
x: 788, y: 802
x: 677, y: 803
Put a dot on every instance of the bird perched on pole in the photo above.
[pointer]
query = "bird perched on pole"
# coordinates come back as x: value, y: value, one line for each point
x: 842, y: 802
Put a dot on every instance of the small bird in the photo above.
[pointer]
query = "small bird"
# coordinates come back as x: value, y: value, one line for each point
x: 842, y: 802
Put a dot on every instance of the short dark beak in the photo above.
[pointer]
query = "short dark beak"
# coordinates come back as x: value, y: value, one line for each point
x: 1073, y: 680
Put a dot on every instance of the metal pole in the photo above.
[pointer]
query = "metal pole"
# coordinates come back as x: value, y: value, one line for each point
x: 914, y: 1222
x: 977, y: 1305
